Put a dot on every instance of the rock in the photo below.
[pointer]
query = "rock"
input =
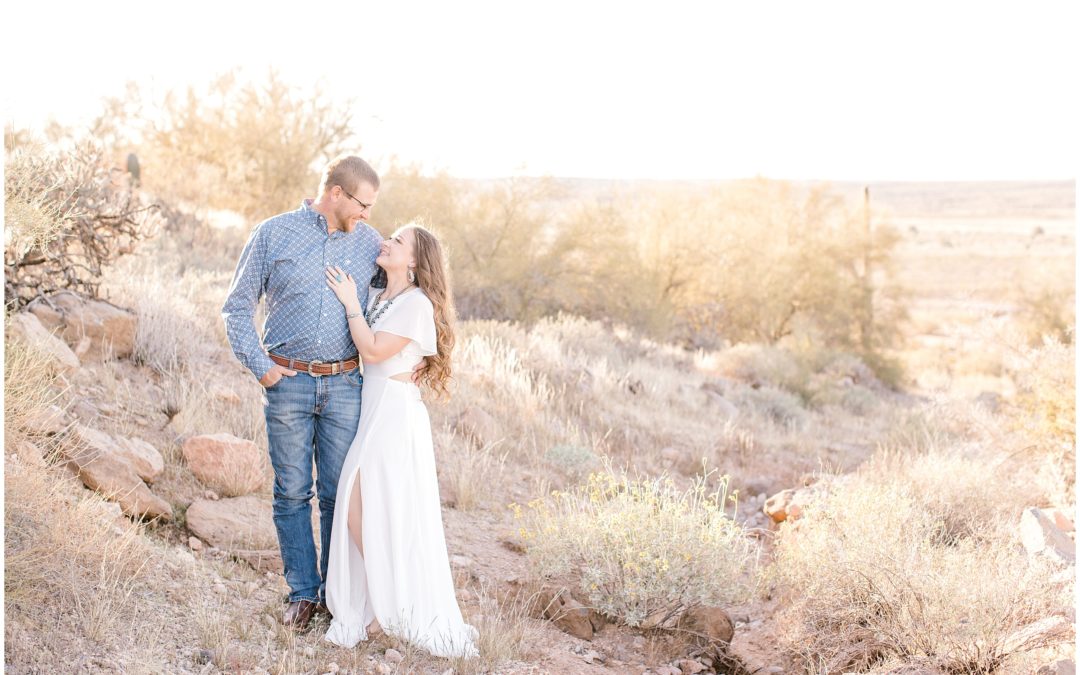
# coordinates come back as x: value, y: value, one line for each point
x: 146, y: 459
x: 569, y: 615
x: 195, y: 544
x: 461, y: 561
x: 234, y: 523
x: 143, y: 457
x: 788, y: 505
x: 262, y: 560
x: 477, y: 425
x: 1062, y: 667
x: 724, y: 407
x: 989, y: 401
x: 109, y: 329
x: 223, y: 461
x: 47, y: 421
x: 709, y: 623
x: 332, y: 667
x: 383, y: 669
x: 393, y: 656
x: 29, y: 452
x: 1044, y: 631
x: 1041, y: 536
x: 28, y: 329
x: 309, y: 652
x: 593, y: 656
x: 1064, y: 520
x: 115, y: 478
x: 668, y: 670
x: 690, y: 667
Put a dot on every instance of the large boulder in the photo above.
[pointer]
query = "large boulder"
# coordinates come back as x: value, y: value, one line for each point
x: 28, y: 329
x: 96, y: 329
x: 143, y: 457
x: 234, y: 523
x: 232, y: 465
x: 114, y: 477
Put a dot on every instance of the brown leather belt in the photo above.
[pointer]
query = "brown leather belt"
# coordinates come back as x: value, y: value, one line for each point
x: 316, y: 368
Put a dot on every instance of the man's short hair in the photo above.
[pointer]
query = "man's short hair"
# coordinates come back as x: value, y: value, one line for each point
x: 348, y: 171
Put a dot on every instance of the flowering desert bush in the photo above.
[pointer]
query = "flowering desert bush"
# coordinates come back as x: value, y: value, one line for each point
x: 639, y: 550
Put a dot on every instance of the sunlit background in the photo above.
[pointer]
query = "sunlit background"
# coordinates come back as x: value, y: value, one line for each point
x: 837, y: 91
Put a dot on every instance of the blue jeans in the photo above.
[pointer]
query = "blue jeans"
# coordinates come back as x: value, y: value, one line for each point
x: 308, y: 419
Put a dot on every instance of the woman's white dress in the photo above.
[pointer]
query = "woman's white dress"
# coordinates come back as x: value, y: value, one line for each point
x: 403, y: 580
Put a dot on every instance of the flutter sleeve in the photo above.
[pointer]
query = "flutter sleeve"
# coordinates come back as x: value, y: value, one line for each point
x: 413, y: 319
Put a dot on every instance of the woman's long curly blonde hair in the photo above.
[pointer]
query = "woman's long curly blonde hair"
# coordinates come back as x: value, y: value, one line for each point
x: 433, y: 278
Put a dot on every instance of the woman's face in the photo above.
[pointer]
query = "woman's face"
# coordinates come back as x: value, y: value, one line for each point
x: 397, y: 251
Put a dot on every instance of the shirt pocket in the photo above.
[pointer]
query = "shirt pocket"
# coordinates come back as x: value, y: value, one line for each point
x: 292, y: 277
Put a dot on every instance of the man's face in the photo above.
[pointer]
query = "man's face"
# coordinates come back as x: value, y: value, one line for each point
x: 352, y: 207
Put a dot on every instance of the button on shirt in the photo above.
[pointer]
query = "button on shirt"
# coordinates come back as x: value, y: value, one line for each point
x: 284, y: 260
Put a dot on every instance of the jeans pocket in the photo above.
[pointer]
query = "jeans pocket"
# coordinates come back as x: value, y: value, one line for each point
x: 353, y: 378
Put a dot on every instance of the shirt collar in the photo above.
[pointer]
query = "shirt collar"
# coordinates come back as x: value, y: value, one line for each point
x: 320, y: 219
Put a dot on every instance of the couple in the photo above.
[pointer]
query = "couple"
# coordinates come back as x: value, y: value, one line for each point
x: 384, y: 562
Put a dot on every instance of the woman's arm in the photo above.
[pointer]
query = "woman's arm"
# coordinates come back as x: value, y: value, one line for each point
x: 372, y: 347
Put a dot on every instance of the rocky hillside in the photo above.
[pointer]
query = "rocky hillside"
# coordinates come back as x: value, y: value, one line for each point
x: 139, y: 536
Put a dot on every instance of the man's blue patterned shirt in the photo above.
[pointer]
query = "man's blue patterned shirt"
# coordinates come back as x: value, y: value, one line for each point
x: 284, y: 259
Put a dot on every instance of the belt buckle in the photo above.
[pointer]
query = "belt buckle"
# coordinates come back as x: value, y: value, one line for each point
x: 313, y: 363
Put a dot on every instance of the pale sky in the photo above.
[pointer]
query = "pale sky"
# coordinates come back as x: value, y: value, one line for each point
x: 791, y: 90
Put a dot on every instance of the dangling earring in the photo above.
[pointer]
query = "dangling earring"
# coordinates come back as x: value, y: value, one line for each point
x: 412, y: 276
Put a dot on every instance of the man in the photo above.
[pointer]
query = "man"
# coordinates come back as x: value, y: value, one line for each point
x: 306, y: 361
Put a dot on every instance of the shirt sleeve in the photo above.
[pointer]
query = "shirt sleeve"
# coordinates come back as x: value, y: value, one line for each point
x: 248, y: 284
x: 414, y: 319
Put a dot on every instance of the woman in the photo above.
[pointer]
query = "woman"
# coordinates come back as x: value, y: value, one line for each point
x: 388, y: 562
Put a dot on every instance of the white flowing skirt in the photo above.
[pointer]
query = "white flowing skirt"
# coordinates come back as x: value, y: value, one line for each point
x: 403, y: 580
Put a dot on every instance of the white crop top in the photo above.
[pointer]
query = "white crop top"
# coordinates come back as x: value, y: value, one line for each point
x: 411, y: 315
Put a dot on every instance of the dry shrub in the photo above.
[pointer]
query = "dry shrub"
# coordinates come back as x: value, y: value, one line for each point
x: 68, y: 219
x: 965, y: 488
x: 178, y: 311
x: 868, y: 576
x: 210, y: 407
x: 639, y: 550
x: 86, y: 585
x: 1045, y: 410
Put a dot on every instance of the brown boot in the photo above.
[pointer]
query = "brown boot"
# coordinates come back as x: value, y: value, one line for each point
x: 298, y: 614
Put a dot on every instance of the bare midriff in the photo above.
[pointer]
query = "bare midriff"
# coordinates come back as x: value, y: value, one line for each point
x: 402, y: 377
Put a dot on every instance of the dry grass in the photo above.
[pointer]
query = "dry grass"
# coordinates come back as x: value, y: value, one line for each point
x: 25, y: 394
x: 506, y: 631
x: 87, y: 584
x: 871, y: 574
